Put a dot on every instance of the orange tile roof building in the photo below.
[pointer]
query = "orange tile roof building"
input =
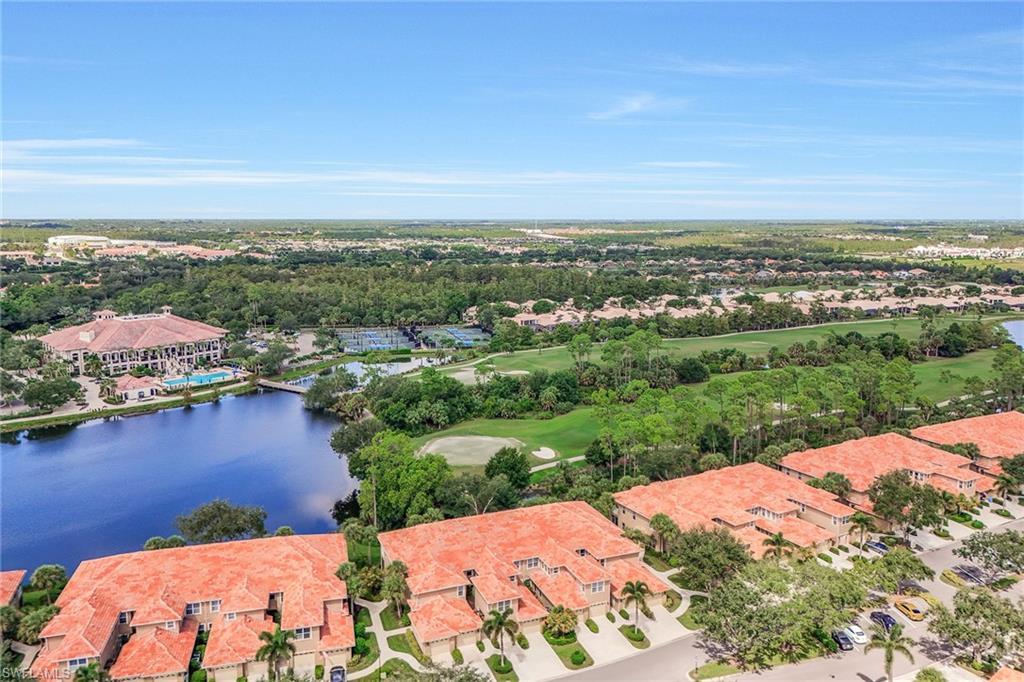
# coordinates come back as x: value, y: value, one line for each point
x: 527, y: 560
x: 865, y: 459
x: 162, y: 342
x: 751, y: 500
x: 10, y: 587
x: 140, y: 613
x: 997, y: 436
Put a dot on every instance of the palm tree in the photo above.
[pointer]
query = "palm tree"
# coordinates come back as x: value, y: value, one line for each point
x: 497, y: 625
x: 891, y: 642
x: 1005, y: 485
x: 778, y: 546
x: 277, y: 647
x: 91, y: 673
x: 637, y: 593
x: 864, y: 524
x: 394, y: 587
x: 666, y: 530
x: 107, y: 387
x: 48, y: 577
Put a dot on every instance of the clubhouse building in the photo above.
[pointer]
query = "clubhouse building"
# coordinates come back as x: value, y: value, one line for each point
x: 527, y: 560
x: 751, y: 500
x: 997, y: 436
x: 139, y: 615
x: 163, y: 342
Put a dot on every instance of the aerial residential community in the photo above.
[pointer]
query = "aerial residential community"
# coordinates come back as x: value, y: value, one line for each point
x: 512, y: 342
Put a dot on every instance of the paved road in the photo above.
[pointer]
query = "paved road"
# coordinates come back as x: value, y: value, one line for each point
x: 673, y: 661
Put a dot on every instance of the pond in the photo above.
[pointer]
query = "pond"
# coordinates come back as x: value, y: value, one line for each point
x: 1016, y: 329
x: 103, y: 487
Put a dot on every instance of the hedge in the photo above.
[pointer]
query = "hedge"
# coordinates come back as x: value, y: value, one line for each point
x: 591, y: 625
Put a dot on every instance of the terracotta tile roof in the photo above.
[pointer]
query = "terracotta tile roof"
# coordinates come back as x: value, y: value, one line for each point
x: 443, y: 617
x: 734, y: 495
x: 156, y: 652
x: 494, y: 589
x: 529, y: 607
x: 561, y: 589
x: 235, y: 641
x: 1007, y: 674
x: 623, y: 571
x: 864, y: 459
x: 86, y: 624
x: 338, y: 631
x: 123, y: 333
x: 157, y: 584
x: 996, y: 435
x: 10, y: 581
x: 130, y: 383
x: 438, y: 553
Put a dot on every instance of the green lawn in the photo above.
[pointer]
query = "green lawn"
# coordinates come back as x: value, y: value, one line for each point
x: 494, y: 661
x: 712, y: 670
x: 390, y: 620
x: 565, y: 652
x: 396, y: 665
x: 687, y: 620
x: 362, y: 662
x: 406, y: 643
x: 756, y: 342
x: 628, y: 632
x: 358, y: 554
x: 567, y: 434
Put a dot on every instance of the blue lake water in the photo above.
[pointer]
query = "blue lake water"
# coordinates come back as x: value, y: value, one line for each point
x: 1016, y: 329
x: 103, y: 487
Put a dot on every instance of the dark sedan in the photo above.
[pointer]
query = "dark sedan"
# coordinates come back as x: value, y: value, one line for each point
x: 842, y: 640
x: 883, y: 619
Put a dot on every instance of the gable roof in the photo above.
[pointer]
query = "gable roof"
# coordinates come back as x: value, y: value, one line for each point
x: 996, y: 435
x: 864, y: 459
x: 10, y: 581
x: 235, y: 641
x: 156, y: 585
x: 156, y: 652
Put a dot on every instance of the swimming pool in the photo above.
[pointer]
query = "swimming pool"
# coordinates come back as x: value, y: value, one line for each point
x: 198, y: 379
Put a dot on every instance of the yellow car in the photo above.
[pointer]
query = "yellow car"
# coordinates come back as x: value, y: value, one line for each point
x: 910, y: 610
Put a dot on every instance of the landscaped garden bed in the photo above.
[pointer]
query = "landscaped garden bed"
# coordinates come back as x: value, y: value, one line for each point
x: 689, y: 618
x: 635, y: 636
x: 389, y: 619
x: 503, y: 672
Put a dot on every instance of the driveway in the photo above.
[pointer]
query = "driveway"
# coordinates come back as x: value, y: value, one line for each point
x: 539, y: 662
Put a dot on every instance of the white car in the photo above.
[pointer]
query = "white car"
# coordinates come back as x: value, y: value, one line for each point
x: 856, y: 635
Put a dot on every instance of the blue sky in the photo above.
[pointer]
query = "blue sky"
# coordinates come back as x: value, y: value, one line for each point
x: 588, y: 111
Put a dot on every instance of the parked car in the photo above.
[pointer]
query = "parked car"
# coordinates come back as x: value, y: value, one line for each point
x: 337, y: 674
x: 876, y: 546
x: 857, y: 635
x: 969, y: 574
x: 910, y: 610
x: 840, y: 638
x: 883, y: 619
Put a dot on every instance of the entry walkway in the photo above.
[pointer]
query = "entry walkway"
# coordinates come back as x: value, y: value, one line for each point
x: 386, y: 652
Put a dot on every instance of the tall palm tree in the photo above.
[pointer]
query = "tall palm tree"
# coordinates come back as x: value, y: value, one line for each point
x: 497, y: 625
x: 635, y: 592
x: 864, y: 524
x: 277, y: 647
x: 891, y: 642
x: 394, y: 587
x: 778, y: 546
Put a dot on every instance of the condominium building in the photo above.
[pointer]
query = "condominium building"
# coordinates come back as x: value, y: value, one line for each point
x: 139, y: 614
x: 527, y: 560
x: 863, y: 460
x: 997, y: 436
x: 751, y: 500
x: 161, y: 341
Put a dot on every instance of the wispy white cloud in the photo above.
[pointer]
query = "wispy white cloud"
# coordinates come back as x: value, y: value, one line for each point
x: 638, y: 103
x: 35, y: 144
x: 689, y: 164
x: 695, y: 67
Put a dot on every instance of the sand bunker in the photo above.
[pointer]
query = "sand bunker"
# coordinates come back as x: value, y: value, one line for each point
x: 468, y: 450
x: 544, y: 453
